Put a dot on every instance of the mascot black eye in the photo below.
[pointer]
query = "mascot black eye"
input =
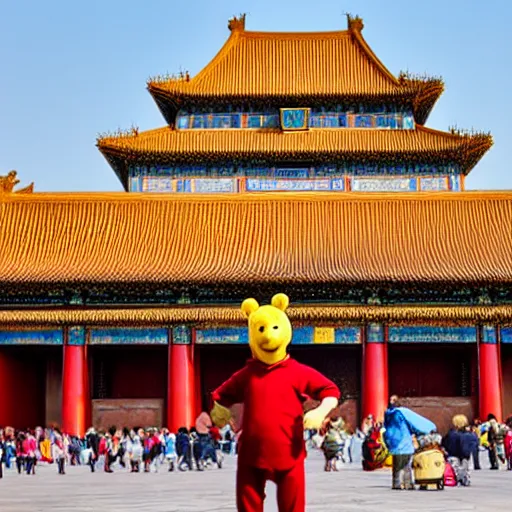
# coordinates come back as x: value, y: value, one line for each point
x: 262, y: 328
x: 276, y: 327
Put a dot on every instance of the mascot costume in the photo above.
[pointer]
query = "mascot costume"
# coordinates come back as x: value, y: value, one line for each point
x: 272, y: 388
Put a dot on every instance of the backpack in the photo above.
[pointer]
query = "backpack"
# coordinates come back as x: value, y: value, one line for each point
x: 450, y: 478
x: 157, y: 448
x: 367, y: 454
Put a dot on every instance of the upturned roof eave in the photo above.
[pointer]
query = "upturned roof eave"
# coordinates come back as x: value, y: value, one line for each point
x: 118, y: 151
x: 169, y: 102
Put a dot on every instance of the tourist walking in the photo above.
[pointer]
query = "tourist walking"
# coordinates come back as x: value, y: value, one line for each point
x: 460, y: 444
x: 92, y: 443
x: 29, y: 453
x: 508, y: 443
x: 170, y: 449
x: 476, y: 428
x: 2, y: 452
x: 136, y: 451
x: 332, y: 445
x: 9, y: 446
x: 183, y: 449
x: 374, y: 452
x: 107, y: 452
x: 20, y: 457
x: 59, y: 452
x: 493, y: 440
x: 400, y: 424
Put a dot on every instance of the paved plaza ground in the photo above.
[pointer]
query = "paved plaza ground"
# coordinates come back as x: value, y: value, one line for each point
x: 213, y: 491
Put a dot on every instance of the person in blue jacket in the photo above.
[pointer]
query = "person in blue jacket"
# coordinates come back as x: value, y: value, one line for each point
x: 460, y: 444
x: 401, y: 424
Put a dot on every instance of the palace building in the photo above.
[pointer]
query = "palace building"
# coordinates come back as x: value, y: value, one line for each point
x: 295, y: 163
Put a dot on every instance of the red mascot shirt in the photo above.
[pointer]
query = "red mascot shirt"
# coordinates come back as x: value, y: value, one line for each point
x: 273, y: 396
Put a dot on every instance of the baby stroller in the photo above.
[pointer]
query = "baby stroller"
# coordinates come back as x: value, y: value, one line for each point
x: 429, y: 463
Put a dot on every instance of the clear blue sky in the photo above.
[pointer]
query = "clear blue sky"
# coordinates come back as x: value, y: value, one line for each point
x: 74, y: 68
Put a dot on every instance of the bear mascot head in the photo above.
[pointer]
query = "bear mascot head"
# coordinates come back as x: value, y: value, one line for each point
x: 270, y: 331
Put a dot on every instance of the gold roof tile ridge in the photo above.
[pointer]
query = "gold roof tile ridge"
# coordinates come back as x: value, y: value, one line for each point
x: 203, y: 316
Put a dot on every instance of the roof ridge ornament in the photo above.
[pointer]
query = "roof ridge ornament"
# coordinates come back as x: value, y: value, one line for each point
x: 236, y: 24
x: 7, y: 184
x: 354, y: 22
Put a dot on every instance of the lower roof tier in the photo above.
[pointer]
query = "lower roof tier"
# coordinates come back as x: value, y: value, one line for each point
x: 294, y: 238
x: 168, y: 146
x: 232, y: 315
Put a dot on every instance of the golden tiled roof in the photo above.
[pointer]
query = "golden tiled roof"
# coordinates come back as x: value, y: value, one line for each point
x: 210, y: 316
x: 335, y: 65
x: 279, y: 238
x: 166, y: 145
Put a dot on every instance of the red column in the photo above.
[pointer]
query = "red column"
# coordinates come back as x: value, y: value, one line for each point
x: 75, y: 396
x: 490, y: 388
x: 375, y: 373
x: 181, y: 394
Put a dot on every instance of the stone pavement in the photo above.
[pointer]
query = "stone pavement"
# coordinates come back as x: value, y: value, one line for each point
x: 213, y: 491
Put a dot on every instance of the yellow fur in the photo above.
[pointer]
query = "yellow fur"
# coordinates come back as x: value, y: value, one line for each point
x: 270, y: 331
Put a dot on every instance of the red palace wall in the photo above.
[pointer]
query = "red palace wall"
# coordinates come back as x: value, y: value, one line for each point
x: 431, y: 370
x: 128, y: 385
x: 128, y: 412
x: 436, y: 381
x: 23, y: 384
x: 129, y: 372
x: 506, y: 358
x: 218, y: 363
x: 341, y: 364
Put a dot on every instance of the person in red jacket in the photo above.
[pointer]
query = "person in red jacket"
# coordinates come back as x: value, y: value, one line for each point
x: 508, y: 443
x: 273, y: 387
x: 29, y: 450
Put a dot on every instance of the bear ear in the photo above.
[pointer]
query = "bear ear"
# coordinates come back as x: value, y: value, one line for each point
x: 249, y: 306
x: 280, y: 301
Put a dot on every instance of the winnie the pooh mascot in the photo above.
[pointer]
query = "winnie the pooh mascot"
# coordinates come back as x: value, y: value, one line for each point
x: 272, y: 386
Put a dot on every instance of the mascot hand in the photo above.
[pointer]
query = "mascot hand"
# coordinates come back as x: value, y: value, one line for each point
x: 314, y: 419
x: 220, y: 415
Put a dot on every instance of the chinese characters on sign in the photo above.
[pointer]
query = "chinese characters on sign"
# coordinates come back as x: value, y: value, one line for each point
x: 383, y: 184
x: 291, y: 185
x: 294, y: 118
x: 301, y: 335
x: 36, y: 337
x: 434, y: 183
x: 432, y: 334
x: 128, y: 336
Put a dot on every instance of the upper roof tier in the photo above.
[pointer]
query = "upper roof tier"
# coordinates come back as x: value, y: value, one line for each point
x: 293, y: 68
x: 168, y: 146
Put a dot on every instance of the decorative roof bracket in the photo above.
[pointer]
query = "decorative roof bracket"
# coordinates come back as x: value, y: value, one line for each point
x: 355, y: 22
x: 237, y: 23
x: 7, y: 184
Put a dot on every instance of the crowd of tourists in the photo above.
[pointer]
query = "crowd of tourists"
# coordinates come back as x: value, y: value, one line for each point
x: 135, y: 450
x: 393, y: 443
x: 405, y: 434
